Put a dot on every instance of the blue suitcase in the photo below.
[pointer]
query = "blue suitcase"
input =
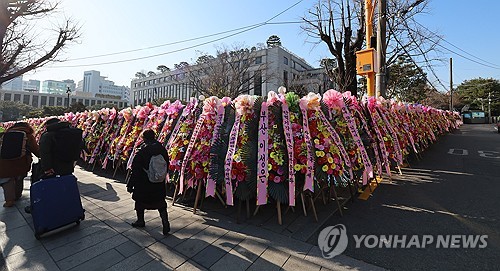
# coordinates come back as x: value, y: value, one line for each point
x: 55, y: 202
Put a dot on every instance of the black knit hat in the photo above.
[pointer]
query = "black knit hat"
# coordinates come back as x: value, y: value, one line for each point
x: 51, y: 121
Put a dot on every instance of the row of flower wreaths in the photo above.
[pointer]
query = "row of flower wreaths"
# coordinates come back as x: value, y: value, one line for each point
x: 255, y: 148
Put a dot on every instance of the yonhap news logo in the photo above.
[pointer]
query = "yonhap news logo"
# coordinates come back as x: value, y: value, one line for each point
x: 333, y: 240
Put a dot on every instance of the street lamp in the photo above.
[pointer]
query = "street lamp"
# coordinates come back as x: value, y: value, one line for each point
x: 68, y: 91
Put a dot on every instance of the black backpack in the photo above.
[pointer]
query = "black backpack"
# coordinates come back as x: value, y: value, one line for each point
x: 13, y: 145
x: 68, y: 144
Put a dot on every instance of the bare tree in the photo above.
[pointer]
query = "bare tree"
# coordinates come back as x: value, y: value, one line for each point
x: 21, y: 49
x: 230, y: 73
x: 340, y: 24
x: 407, y: 37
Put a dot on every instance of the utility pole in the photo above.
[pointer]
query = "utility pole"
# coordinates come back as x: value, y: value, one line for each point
x: 370, y: 77
x: 68, y: 91
x: 451, y: 84
x: 489, y: 107
x: 381, y: 84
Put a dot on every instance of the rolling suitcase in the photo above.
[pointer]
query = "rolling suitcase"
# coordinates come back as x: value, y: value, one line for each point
x: 55, y: 202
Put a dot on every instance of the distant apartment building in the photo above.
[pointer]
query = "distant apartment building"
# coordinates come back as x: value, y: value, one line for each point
x: 57, y: 87
x: 270, y: 68
x: 40, y: 100
x: 13, y: 84
x: 99, y: 86
x: 31, y: 85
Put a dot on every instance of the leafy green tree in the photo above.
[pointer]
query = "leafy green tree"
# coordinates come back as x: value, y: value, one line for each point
x: 76, y: 107
x: 14, y: 110
x: 53, y: 110
x: 476, y: 92
x: 101, y: 106
x: 407, y: 82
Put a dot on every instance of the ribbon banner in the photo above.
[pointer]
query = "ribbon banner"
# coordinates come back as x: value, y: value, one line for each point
x: 262, y: 170
x: 287, y: 127
x: 233, y: 136
x: 393, y: 134
x: 210, y: 188
x: 336, y: 139
x: 309, y: 181
x: 381, y: 141
x: 351, y: 124
x: 189, y: 149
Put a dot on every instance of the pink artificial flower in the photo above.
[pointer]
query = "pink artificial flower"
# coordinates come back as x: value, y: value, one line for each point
x: 333, y: 99
x: 272, y: 97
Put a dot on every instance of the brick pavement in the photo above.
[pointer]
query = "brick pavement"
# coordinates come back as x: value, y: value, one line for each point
x: 210, y: 239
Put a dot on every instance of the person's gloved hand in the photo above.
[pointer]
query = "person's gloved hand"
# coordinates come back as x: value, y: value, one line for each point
x: 130, y: 189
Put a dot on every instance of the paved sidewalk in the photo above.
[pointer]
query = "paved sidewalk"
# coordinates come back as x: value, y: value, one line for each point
x: 106, y: 241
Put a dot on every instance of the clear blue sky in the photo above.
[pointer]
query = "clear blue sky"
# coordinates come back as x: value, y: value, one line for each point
x: 111, y: 26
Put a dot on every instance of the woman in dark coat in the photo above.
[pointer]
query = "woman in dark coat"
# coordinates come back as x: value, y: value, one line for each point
x: 15, y: 170
x: 148, y: 195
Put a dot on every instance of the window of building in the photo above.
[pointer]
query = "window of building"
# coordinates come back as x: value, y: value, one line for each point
x: 43, y: 101
x: 51, y: 101
x: 59, y: 101
x: 258, y: 60
x: 99, y: 102
x: 87, y: 102
x: 257, y: 83
x: 73, y: 100
x: 285, y: 78
x: 34, y: 101
x: 7, y: 97
x: 17, y: 97
x: 285, y: 60
x: 92, y: 102
x: 26, y: 99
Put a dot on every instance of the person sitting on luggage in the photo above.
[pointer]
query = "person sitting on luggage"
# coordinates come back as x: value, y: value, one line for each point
x: 147, y: 194
x: 14, y: 170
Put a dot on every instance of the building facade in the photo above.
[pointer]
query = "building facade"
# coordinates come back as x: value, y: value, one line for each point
x: 99, y: 86
x: 14, y: 84
x: 31, y: 85
x: 40, y: 100
x: 270, y: 68
x: 57, y: 87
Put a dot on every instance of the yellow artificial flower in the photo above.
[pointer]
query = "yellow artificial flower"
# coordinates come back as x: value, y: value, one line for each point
x: 316, y: 141
x: 269, y: 166
x: 297, y: 167
x: 330, y: 160
x: 325, y: 168
x: 320, y: 153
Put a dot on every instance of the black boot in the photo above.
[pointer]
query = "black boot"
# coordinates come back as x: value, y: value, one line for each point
x: 164, y: 220
x: 140, y: 223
